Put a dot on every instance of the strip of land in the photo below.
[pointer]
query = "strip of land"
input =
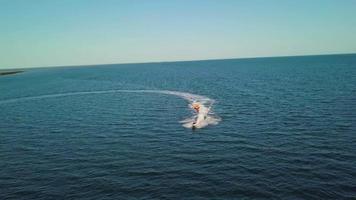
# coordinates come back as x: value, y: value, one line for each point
x: 3, y: 73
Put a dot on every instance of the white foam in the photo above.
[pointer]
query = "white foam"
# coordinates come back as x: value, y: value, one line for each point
x: 204, y: 118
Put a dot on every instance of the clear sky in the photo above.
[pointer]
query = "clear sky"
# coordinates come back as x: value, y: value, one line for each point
x: 35, y: 33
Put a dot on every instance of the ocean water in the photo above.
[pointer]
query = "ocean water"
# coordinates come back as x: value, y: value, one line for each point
x: 285, y: 128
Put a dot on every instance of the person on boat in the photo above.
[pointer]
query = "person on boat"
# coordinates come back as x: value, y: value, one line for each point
x: 201, y: 114
x: 196, y: 106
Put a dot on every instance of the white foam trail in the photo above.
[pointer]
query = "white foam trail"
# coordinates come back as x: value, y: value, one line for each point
x: 204, y: 118
x: 205, y: 115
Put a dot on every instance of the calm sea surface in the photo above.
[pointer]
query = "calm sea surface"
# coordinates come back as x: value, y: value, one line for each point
x: 287, y: 131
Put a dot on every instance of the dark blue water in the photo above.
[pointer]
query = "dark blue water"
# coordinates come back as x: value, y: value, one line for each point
x: 287, y: 131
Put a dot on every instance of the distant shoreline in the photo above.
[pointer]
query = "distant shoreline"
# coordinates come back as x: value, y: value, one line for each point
x: 4, y: 73
x: 179, y: 61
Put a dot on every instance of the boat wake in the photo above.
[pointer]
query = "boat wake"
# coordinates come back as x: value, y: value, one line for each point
x: 198, y: 120
x: 205, y: 116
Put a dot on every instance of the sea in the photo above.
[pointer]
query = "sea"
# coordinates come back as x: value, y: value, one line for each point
x: 278, y: 128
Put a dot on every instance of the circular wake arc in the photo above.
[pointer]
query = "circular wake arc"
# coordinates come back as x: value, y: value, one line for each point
x: 205, y: 102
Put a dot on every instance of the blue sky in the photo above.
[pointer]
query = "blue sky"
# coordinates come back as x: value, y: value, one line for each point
x: 77, y: 32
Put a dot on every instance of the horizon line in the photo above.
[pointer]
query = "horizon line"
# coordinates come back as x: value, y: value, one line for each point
x: 174, y: 61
